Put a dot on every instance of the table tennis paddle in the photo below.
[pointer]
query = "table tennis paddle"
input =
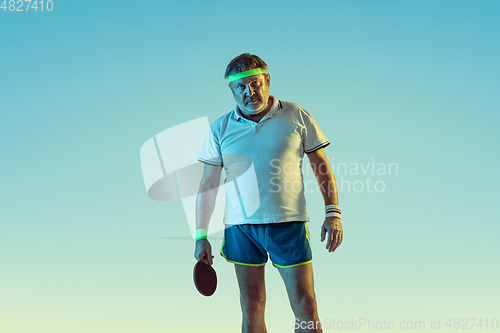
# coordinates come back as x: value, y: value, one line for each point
x: 205, y: 278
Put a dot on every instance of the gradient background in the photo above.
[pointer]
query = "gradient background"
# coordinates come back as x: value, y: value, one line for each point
x: 82, y: 247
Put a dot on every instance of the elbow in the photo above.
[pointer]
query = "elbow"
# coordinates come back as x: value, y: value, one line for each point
x: 207, y: 185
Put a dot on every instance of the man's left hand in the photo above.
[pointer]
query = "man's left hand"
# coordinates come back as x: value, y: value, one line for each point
x: 333, y: 228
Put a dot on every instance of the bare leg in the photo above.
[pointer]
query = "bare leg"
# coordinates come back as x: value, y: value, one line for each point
x: 299, y: 283
x: 252, y: 297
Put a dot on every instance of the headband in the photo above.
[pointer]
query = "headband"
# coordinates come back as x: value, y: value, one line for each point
x: 246, y: 73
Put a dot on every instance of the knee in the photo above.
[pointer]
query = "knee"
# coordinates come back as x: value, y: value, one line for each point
x: 306, y: 305
x: 252, y: 305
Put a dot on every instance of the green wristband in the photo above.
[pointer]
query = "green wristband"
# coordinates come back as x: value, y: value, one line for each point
x: 201, y: 234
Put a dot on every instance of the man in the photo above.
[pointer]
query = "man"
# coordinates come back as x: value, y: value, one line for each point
x: 271, y: 137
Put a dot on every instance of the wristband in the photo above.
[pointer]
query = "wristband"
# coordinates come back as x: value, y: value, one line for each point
x: 332, y: 208
x: 201, y: 234
x: 332, y: 211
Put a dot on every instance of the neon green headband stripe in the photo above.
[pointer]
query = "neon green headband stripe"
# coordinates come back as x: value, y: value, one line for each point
x: 246, y: 73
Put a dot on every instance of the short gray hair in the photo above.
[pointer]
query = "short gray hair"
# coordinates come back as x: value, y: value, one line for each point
x: 244, y: 62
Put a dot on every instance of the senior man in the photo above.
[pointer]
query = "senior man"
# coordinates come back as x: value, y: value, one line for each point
x: 270, y: 136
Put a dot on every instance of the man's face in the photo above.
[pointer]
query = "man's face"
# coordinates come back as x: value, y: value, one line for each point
x: 251, y: 93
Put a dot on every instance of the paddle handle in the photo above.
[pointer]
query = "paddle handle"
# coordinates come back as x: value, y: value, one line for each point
x: 205, y: 260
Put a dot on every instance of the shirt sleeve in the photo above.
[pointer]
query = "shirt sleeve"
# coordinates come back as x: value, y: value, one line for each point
x: 313, y: 138
x: 210, y: 153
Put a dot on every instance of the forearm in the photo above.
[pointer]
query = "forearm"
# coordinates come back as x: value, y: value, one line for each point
x: 324, y: 176
x: 328, y: 187
x: 327, y: 184
x: 205, y: 205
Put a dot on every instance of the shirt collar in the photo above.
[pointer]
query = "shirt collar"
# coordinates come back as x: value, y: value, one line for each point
x: 274, y: 109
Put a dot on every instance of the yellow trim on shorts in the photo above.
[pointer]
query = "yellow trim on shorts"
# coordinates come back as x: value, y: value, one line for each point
x: 302, y: 263
x: 239, y: 263
x: 307, y: 234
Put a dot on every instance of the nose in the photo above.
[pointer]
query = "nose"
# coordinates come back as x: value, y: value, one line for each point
x: 249, y: 90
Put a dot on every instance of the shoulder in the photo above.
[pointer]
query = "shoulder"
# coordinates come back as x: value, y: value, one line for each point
x: 295, y: 110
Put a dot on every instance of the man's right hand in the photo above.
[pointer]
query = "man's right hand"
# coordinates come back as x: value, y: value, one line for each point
x: 203, y: 251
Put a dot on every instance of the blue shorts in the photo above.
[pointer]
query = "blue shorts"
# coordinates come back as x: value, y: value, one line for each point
x: 288, y: 244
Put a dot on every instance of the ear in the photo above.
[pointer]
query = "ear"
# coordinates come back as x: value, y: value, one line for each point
x: 268, y: 79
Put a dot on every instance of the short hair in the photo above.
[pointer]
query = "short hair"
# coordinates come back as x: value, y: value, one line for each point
x: 244, y: 62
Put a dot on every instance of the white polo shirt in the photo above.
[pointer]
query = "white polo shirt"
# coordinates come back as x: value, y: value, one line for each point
x: 263, y: 162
